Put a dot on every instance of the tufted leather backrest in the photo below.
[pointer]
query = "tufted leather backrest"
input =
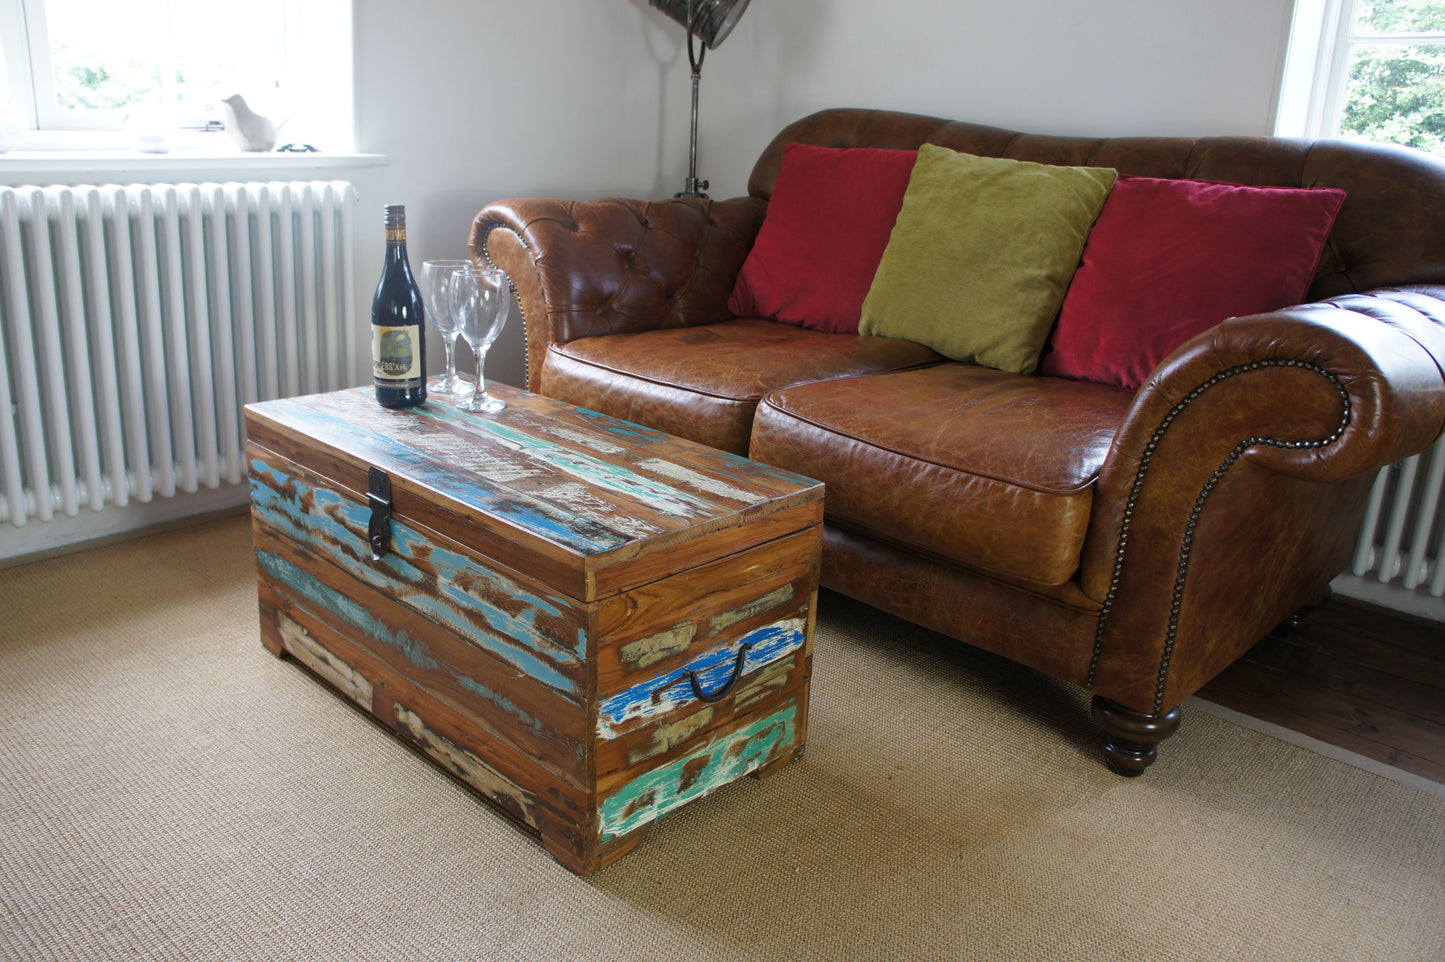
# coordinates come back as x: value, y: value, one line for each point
x: 1389, y: 233
x: 615, y: 266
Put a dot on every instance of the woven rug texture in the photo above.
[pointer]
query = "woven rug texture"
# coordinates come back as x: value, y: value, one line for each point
x: 172, y: 791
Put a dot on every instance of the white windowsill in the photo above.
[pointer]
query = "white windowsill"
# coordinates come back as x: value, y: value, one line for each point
x: 38, y: 164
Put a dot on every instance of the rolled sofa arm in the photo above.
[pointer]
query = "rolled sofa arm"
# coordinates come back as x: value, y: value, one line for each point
x: 609, y: 266
x: 1234, y: 487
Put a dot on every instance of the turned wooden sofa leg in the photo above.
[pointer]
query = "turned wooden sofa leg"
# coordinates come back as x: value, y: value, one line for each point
x: 1131, y: 738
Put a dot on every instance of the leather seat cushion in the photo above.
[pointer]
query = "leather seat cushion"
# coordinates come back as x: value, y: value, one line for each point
x: 983, y: 468
x: 705, y: 382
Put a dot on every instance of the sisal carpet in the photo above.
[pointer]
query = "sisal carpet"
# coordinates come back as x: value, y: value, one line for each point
x: 171, y: 791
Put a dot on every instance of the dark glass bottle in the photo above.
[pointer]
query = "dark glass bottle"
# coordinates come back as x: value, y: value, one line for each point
x: 398, y: 324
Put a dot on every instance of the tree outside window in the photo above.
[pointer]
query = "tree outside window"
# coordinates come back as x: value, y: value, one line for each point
x: 1396, y: 81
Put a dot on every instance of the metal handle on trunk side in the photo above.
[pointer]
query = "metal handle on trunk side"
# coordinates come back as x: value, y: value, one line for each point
x: 731, y: 683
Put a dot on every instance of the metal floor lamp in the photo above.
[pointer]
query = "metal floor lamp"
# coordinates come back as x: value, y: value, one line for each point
x: 709, y: 21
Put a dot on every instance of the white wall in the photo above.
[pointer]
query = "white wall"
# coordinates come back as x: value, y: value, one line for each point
x: 477, y: 100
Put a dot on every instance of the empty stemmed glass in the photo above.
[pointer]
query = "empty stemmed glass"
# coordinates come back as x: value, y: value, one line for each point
x: 436, y: 280
x: 480, y: 298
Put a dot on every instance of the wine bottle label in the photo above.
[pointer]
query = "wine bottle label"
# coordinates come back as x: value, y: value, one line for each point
x: 394, y: 355
x: 396, y: 235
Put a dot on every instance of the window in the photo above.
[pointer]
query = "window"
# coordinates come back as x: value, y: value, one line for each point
x: 1368, y: 69
x: 98, y: 65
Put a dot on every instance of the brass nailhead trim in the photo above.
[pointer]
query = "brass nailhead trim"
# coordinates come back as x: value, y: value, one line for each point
x: 521, y: 308
x: 1199, y: 503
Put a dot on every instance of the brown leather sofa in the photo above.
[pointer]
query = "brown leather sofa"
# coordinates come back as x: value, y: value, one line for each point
x: 1135, y: 543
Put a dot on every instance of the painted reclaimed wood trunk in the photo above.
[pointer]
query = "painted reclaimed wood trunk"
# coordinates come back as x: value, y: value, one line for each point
x: 589, y: 622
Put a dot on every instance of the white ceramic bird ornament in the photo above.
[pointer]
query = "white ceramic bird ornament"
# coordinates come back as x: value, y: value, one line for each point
x: 248, y: 130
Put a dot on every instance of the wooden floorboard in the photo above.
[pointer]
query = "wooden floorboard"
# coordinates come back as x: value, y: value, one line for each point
x: 1353, y: 679
x: 1362, y: 678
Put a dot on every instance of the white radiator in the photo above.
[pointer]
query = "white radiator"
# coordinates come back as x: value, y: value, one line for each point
x: 1403, y: 532
x: 138, y: 320
x: 1400, y: 555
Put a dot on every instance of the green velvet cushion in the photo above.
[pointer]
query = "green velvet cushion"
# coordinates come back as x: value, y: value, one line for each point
x: 982, y: 254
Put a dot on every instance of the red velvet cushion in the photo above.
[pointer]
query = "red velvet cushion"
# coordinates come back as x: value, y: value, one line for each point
x: 1168, y: 259
x: 828, y: 222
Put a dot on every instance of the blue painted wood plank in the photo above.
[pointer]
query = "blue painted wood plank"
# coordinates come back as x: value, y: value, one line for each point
x: 446, y: 587
x: 683, y: 484
x: 313, y: 601
x: 660, y: 694
x: 464, y: 471
x: 583, y: 481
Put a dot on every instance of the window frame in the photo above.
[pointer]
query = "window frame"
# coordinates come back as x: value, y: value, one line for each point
x: 19, y: 75
x: 25, y: 30
x: 44, y: 126
x: 1316, y: 69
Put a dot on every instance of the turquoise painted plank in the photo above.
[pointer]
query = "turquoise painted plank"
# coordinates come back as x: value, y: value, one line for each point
x: 624, y: 429
x: 456, y: 597
x: 655, y: 793
x: 307, y: 591
x: 664, y: 485
x: 620, y: 479
x: 660, y: 694
x: 314, y: 593
x: 721, y: 461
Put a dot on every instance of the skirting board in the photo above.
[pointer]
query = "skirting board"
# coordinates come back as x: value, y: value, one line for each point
x: 1419, y: 602
x: 89, y: 529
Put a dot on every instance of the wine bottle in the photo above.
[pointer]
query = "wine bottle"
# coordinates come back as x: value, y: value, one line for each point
x: 398, y: 324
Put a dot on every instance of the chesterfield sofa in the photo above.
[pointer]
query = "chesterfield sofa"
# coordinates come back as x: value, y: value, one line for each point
x: 1134, y: 540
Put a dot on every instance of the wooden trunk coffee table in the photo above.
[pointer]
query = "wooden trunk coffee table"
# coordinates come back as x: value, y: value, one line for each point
x: 589, y: 622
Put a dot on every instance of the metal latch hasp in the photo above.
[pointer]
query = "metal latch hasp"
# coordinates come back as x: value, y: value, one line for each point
x: 378, y: 496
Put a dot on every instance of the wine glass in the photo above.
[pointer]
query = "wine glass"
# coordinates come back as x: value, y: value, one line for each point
x: 480, y: 297
x: 436, y: 278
